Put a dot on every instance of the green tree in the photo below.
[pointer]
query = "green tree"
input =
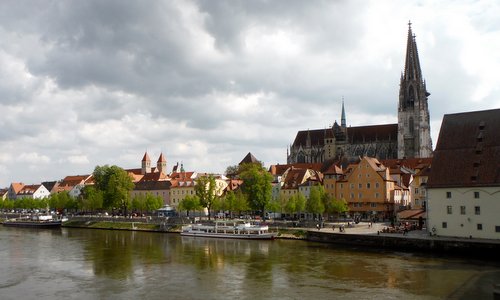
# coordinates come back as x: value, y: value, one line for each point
x: 60, y: 201
x: 190, y: 203
x: 205, y: 190
x: 153, y: 202
x: 139, y: 203
x: 92, y: 198
x: 115, y: 184
x: 336, y: 206
x: 232, y: 171
x: 274, y: 205
x: 256, y: 185
x: 315, y: 203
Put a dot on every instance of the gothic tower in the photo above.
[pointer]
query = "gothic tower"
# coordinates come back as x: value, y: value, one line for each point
x: 414, y: 138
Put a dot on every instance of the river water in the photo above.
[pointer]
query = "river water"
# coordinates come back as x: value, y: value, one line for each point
x: 72, y: 263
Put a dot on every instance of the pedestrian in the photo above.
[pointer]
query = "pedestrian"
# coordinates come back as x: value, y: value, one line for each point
x: 333, y: 227
x: 317, y: 226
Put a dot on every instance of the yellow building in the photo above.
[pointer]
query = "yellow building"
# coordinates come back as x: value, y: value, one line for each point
x: 367, y: 188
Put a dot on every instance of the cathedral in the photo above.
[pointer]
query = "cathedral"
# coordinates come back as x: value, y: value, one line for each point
x: 409, y: 138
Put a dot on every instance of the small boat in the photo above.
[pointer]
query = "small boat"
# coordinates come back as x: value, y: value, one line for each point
x: 230, y: 229
x: 36, y: 221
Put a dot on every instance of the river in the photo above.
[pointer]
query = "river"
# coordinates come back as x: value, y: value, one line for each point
x: 72, y: 263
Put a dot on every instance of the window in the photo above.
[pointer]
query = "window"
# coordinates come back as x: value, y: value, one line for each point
x: 448, y: 195
x: 479, y: 226
x: 352, y: 185
x: 368, y: 185
x: 360, y: 195
x: 476, y: 195
x: 416, y: 191
x: 449, y: 209
x: 341, y: 185
x: 477, y: 210
x: 497, y: 228
x: 341, y: 195
x: 360, y: 185
x: 462, y: 210
x: 444, y: 225
x: 352, y: 196
x: 374, y: 205
x: 376, y: 195
x: 376, y: 184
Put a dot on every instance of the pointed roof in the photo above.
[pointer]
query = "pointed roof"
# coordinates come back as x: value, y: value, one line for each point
x: 17, y: 186
x: 412, y: 63
x: 342, y: 118
x: 146, y: 157
x: 249, y: 158
x: 162, y: 158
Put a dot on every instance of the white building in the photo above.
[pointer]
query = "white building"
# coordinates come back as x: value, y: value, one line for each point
x: 34, y: 191
x: 463, y: 189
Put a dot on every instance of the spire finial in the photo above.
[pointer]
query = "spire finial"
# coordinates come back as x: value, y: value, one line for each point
x: 343, y: 122
x: 409, y: 24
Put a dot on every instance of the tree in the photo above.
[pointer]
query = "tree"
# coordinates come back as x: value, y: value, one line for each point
x: 315, y: 203
x: 335, y: 206
x: 231, y: 171
x: 60, y: 201
x: 256, y: 185
x: 205, y: 190
x: 300, y: 203
x: 153, y: 202
x: 115, y: 184
x: 138, y: 203
x: 92, y: 198
x: 190, y: 203
x: 274, y: 205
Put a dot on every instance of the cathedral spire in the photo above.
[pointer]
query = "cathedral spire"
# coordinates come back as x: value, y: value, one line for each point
x: 412, y: 63
x: 413, y: 113
x: 342, y: 119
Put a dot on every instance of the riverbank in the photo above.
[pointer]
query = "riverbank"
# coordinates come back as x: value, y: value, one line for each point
x: 359, y: 235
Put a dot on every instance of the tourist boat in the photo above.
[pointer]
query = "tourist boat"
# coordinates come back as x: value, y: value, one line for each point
x: 36, y: 221
x: 230, y: 229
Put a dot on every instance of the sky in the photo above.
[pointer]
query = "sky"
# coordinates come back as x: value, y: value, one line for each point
x: 87, y: 83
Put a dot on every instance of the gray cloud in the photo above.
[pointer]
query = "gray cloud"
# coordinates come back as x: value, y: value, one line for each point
x: 100, y: 82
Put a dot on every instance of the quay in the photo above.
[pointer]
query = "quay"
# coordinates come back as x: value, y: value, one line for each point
x: 371, y: 236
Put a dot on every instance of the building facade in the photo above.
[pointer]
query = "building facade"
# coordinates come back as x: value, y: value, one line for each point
x: 463, y: 189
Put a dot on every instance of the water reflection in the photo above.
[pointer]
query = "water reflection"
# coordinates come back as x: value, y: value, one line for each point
x: 106, y: 264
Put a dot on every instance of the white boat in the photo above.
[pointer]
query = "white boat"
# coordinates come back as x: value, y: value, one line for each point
x: 230, y: 229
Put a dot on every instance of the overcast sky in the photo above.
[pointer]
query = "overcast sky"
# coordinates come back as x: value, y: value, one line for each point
x: 86, y: 83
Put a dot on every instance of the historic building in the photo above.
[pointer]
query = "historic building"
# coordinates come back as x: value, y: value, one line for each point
x: 463, y: 189
x: 410, y: 137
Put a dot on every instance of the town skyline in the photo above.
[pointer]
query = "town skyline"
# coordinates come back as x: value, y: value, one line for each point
x: 109, y: 81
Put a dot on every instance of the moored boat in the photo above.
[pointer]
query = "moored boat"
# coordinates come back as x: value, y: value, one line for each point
x: 229, y: 229
x: 37, y: 221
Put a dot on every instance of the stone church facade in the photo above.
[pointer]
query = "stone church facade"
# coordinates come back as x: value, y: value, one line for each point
x: 410, y: 137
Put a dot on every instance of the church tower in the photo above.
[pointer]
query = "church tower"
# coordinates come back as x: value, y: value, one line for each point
x: 145, y: 164
x: 414, y: 138
x: 161, y: 164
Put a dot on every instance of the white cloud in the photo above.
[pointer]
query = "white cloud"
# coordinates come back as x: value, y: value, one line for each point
x: 32, y: 158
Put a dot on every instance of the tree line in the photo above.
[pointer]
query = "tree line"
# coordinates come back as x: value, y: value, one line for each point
x: 112, y: 186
